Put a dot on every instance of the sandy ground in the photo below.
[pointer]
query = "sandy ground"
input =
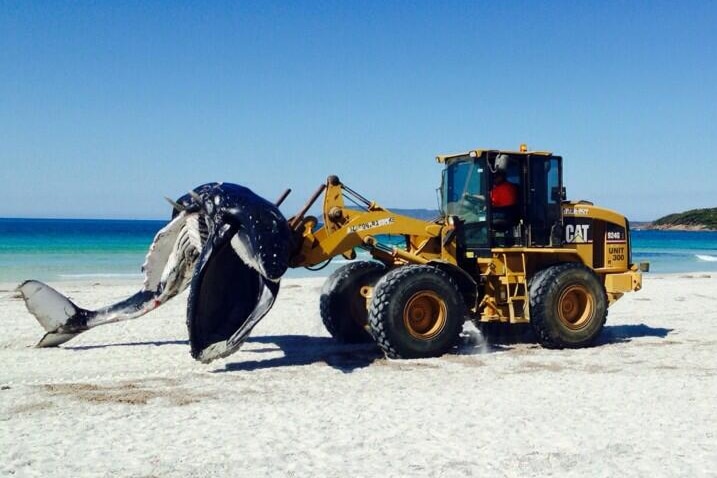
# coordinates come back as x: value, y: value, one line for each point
x: 127, y: 399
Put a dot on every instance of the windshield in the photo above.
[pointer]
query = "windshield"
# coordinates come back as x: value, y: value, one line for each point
x: 462, y: 190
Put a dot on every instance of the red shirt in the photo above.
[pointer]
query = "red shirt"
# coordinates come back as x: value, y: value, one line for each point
x: 504, y: 194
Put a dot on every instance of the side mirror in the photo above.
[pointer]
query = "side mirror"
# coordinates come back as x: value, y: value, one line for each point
x: 558, y: 194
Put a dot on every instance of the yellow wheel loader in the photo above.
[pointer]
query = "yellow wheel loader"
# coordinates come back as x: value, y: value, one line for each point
x: 554, y: 264
x: 507, y: 252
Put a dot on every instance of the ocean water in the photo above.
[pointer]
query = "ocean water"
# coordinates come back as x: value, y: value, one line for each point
x: 72, y: 249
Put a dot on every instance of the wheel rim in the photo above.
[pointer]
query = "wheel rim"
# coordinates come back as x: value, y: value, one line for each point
x: 425, y: 315
x: 575, y: 307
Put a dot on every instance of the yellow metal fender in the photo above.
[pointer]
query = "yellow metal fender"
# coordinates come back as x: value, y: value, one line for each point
x: 617, y: 284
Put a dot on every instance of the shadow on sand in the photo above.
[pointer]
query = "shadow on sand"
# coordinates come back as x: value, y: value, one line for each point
x: 616, y: 334
x: 306, y: 350
x: 127, y: 344
x: 611, y: 334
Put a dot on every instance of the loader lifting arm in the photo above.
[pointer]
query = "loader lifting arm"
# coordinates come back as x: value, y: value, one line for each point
x: 345, y: 228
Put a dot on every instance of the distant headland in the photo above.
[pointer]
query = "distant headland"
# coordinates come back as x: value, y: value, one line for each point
x: 692, y: 220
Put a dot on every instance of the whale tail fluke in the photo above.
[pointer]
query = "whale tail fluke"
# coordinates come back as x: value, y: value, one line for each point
x: 53, y: 339
x: 61, y: 319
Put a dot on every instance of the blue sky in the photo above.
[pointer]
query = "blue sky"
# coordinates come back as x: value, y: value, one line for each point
x: 106, y: 107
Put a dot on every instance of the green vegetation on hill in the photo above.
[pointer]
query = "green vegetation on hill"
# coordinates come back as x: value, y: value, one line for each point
x: 706, y: 218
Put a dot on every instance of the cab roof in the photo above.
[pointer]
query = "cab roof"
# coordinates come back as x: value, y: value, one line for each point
x: 442, y: 158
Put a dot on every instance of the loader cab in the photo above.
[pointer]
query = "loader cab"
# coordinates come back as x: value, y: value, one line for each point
x: 531, y: 218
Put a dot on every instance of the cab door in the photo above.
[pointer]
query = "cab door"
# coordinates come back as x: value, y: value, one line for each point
x: 464, y: 199
x: 545, y: 196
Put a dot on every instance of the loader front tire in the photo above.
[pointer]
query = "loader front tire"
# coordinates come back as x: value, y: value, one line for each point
x: 568, y: 306
x: 343, y: 308
x: 416, y: 311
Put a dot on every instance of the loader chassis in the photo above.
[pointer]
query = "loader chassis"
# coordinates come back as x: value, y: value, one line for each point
x: 546, y: 261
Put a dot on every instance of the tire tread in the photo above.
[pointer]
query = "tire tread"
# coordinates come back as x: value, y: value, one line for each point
x: 330, y: 292
x: 539, y: 291
x: 383, y: 293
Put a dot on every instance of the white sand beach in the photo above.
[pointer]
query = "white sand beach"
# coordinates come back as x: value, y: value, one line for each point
x: 128, y: 400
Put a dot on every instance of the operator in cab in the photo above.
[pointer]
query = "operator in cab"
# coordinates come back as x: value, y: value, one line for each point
x: 504, y: 193
x: 504, y: 201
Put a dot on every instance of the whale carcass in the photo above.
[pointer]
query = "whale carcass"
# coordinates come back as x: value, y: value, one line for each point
x: 227, y: 244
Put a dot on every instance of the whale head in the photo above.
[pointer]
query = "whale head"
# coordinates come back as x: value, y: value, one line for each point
x: 236, y: 277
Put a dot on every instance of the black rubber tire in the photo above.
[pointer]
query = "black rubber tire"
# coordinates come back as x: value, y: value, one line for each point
x: 503, y: 333
x: 342, y: 307
x: 393, y: 293
x: 546, y: 289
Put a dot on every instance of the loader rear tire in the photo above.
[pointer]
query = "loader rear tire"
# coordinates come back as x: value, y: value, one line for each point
x: 343, y: 308
x: 568, y: 306
x: 416, y: 311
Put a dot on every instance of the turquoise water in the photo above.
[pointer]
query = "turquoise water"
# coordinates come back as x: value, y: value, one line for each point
x: 67, y: 249
x: 62, y: 249
x: 676, y: 251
